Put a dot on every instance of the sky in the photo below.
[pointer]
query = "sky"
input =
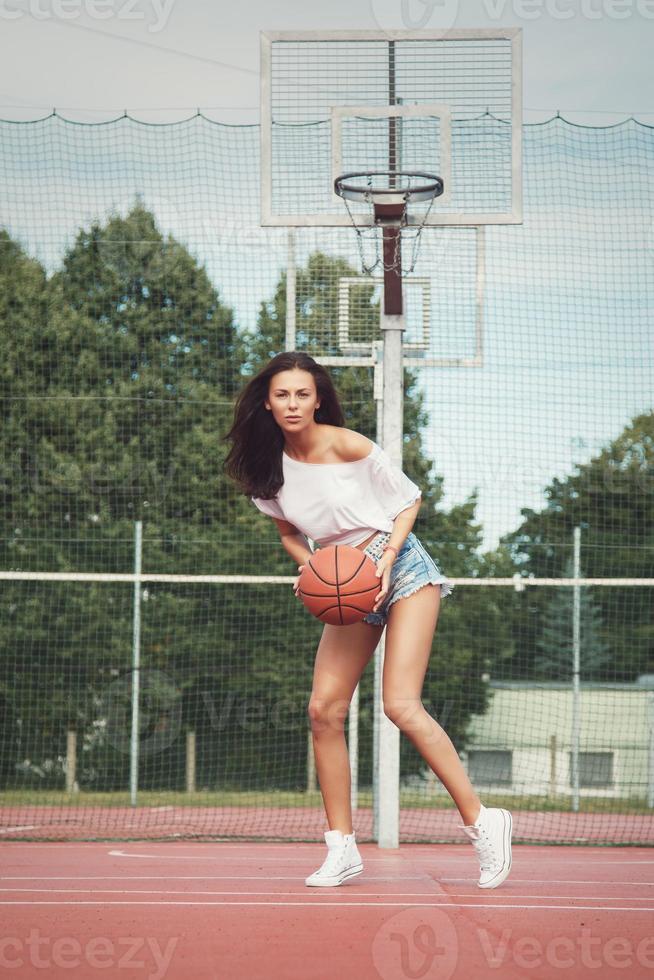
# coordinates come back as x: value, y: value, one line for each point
x: 161, y: 60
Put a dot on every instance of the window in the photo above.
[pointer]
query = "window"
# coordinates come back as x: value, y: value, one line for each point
x: 595, y: 769
x: 488, y: 767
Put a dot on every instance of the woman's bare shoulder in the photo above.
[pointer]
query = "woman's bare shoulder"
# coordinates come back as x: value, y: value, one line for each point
x: 352, y: 446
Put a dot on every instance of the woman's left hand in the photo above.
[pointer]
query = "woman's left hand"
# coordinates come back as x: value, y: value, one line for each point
x: 384, y: 566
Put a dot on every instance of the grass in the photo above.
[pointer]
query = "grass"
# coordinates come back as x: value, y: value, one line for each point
x: 299, y: 799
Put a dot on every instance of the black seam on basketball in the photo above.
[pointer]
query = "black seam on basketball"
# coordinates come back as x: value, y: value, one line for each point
x: 356, y: 571
x: 349, y: 579
x: 318, y: 575
x: 345, y: 605
x: 338, y: 588
x: 371, y: 588
x: 321, y: 595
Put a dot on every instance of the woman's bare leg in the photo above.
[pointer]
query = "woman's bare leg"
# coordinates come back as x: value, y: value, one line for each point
x: 409, y: 633
x: 342, y: 656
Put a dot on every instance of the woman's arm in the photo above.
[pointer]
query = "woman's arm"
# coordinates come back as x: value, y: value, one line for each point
x: 403, y: 523
x: 401, y: 527
x: 294, y: 542
x: 297, y: 547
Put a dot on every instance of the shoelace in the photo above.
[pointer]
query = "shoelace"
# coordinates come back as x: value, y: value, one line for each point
x: 488, y: 858
x: 334, y: 861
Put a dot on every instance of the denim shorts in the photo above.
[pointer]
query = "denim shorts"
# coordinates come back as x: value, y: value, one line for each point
x: 412, y: 569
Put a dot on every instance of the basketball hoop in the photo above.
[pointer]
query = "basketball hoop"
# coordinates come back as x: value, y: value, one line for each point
x: 392, y: 187
x: 389, y: 194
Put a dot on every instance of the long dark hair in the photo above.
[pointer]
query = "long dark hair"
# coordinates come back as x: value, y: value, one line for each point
x: 255, y: 459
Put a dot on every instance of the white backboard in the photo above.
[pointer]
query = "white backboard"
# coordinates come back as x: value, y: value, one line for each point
x: 445, y: 103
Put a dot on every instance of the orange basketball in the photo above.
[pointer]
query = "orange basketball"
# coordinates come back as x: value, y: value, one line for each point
x: 338, y: 585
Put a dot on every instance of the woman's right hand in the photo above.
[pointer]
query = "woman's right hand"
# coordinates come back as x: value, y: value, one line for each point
x: 296, y: 583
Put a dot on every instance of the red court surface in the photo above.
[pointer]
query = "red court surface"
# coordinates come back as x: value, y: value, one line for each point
x: 225, y: 911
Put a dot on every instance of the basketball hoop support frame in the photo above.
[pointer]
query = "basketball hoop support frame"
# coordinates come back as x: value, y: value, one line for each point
x: 390, y: 213
x: 283, y: 60
x: 392, y: 252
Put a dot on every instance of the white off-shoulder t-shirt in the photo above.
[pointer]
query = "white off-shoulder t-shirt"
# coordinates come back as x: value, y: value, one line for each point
x: 341, y: 503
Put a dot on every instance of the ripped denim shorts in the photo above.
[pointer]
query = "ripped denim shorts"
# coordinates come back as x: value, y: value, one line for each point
x: 412, y: 569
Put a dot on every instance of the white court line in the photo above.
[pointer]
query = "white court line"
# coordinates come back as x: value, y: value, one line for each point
x: 537, y: 881
x: 267, y: 877
x: 368, y: 878
x: 314, y: 905
x: 440, y: 862
x: 223, y: 844
x: 258, y: 858
x: 527, y: 851
x: 12, y: 830
x: 171, y: 891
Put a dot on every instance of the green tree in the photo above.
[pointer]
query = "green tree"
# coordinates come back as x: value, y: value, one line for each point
x: 553, y: 661
x: 117, y: 382
x: 611, y: 498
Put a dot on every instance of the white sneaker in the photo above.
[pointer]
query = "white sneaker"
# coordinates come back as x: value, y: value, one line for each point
x: 491, y: 838
x: 343, y: 861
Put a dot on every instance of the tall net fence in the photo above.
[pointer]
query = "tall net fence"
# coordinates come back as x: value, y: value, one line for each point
x: 156, y: 668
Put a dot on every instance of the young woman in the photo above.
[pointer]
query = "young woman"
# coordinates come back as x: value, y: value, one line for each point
x: 321, y: 481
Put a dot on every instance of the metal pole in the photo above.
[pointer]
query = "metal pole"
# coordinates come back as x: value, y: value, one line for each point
x: 353, y: 749
x: 71, y: 760
x: 389, y: 734
x: 379, y: 650
x: 392, y: 120
x: 376, y: 726
x: 136, y: 665
x: 353, y: 714
x: 392, y: 236
x: 391, y: 325
x: 576, y: 694
x: 552, y: 766
x: 190, y: 762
